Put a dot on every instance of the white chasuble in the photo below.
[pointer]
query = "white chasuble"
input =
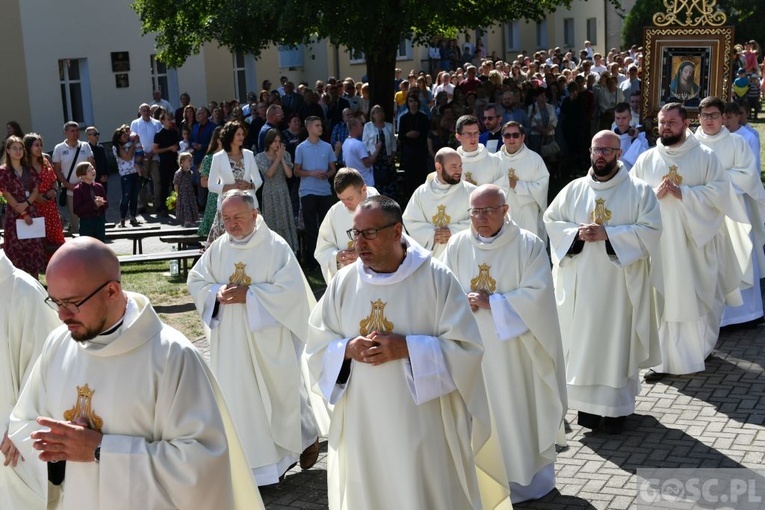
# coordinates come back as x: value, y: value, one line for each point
x: 25, y: 323
x: 605, y: 303
x: 168, y: 439
x: 747, y: 237
x: 255, y: 347
x: 523, y: 362
x: 435, y: 204
x: 404, y: 433
x: 528, y: 200
x: 695, y: 255
x: 333, y: 237
x: 482, y: 167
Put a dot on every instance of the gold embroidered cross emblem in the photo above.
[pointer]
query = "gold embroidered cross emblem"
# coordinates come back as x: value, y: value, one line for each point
x: 484, y: 281
x: 441, y: 219
x: 239, y: 277
x: 600, y: 214
x: 376, y: 320
x: 468, y: 177
x: 674, y: 177
x: 82, y: 413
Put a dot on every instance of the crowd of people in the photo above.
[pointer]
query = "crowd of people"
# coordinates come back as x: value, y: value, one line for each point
x: 532, y: 308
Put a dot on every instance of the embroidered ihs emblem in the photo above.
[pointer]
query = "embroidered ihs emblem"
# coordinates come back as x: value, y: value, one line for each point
x: 468, y: 177
x: 239, y: 277
x: 441, y: 219
x: 376, y: 320
x: 82, y: 413
x: 674, y: 177
x: 600, y: 214
x: 484, y: 281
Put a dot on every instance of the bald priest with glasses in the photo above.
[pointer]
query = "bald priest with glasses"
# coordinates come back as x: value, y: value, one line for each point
x: 604, y: 228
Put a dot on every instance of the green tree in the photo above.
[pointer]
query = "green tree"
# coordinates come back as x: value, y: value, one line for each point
x: 741, y: 14
x: 375, y: 28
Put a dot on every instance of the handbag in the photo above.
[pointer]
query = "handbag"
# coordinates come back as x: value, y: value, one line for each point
x: 551, y: 148
x: 62, y: 191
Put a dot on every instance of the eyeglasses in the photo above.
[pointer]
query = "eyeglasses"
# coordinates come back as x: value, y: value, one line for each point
x: 605, y: 151
x: 511, y: 135
x: 710, y: 116
x: 478, y: 211
x: 473, y: 134
x: 94, y: 133
x: 73, y: 308
x: 489, y: 117
x: 368, y: 234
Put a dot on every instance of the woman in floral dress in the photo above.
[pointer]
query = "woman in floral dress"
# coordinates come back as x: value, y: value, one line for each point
x: 47, y: 187
x: 19, y: 188
x: 211, y: 207
x: 275, y: 164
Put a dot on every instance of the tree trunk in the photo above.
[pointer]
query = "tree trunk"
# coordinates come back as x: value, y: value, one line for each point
x: 381, y: 67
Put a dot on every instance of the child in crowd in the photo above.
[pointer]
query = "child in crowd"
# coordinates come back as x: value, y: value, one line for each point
x: 185, y: 145
x: 90, y: 203
x: 186, y: 211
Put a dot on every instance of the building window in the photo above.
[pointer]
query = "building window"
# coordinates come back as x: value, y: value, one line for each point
x: 569, y: 39
x: 240, y: 76
x: 159, y: 79
x: 514, y: 35
x: 592, y: 30
x: 356, y: 56
x: 404, y: 52
x: 75, y: 90
x: 542, y: 34
x: 290, y: 56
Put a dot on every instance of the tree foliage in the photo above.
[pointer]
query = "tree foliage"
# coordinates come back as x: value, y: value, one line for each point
x: 376, y: 27
x: 741, y: 13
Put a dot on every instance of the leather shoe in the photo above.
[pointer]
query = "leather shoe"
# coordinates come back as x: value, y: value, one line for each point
x: 588, y: 420
x: 309, y: 456
x: 613, y: 425
x: 653, y: 376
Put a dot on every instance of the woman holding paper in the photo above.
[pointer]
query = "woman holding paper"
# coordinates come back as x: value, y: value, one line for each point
x: 19, y: 188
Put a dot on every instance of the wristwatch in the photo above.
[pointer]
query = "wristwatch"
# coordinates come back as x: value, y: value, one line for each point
x: 97, y: 453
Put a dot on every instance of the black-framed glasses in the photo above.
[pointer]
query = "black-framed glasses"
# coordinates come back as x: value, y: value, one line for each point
x: 712, y: 116
x: 367, y: 234
x: 74, y: 308
x: 511, y: 135
x: 605, y: 151
x: 478, y: 211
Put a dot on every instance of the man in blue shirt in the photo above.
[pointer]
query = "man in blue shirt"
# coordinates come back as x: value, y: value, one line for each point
x: 315, y: 165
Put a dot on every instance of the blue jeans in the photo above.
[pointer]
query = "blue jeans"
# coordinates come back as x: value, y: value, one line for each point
x: 130, y: 186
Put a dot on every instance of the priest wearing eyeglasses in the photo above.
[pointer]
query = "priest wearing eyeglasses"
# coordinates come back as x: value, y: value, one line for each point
x: 394, y: 346
x: 120, y: 410
x: 604, y: 228
x: 528, y: 179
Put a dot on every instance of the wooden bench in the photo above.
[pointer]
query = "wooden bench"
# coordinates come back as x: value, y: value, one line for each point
x: 140, y: 233
x: 183, y: 241
x: 181, y: 256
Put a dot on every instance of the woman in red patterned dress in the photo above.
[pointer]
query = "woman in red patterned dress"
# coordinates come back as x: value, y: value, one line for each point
x: 19, y: 187
x: 47, y: 187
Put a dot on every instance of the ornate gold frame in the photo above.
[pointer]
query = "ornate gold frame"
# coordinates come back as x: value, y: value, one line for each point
x: 711, y: 43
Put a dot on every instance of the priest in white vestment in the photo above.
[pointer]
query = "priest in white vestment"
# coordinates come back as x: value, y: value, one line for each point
x: 633, y: 142
x: 25, y: 323
x: 604, y: 228
x: 333, y: 248
x: 747, y: 237
x: 120, y: 410
x: 694, y: 194
x: 438, y: 209
x: 479, y: 166
x: 249, y: 289
x: 393, y: 345
x: 528, y: 179
x: 735, y: 120
x: 505, y: 272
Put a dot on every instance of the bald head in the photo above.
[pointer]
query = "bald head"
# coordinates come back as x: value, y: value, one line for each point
x: 84, y: 257
x: 605, y: 152
x: 605, y: 138
x: 488, y: 193
x: 487, y: 210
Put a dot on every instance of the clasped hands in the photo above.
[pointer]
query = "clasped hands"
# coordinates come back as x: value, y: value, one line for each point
x: 376, y: 348
x: 345, y: 257
x: 592, y: 232
x: 442, y: 235
x: 231, y: 294
x: 667, y: 186
x: 478, y: 300
x: 63, y: 440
